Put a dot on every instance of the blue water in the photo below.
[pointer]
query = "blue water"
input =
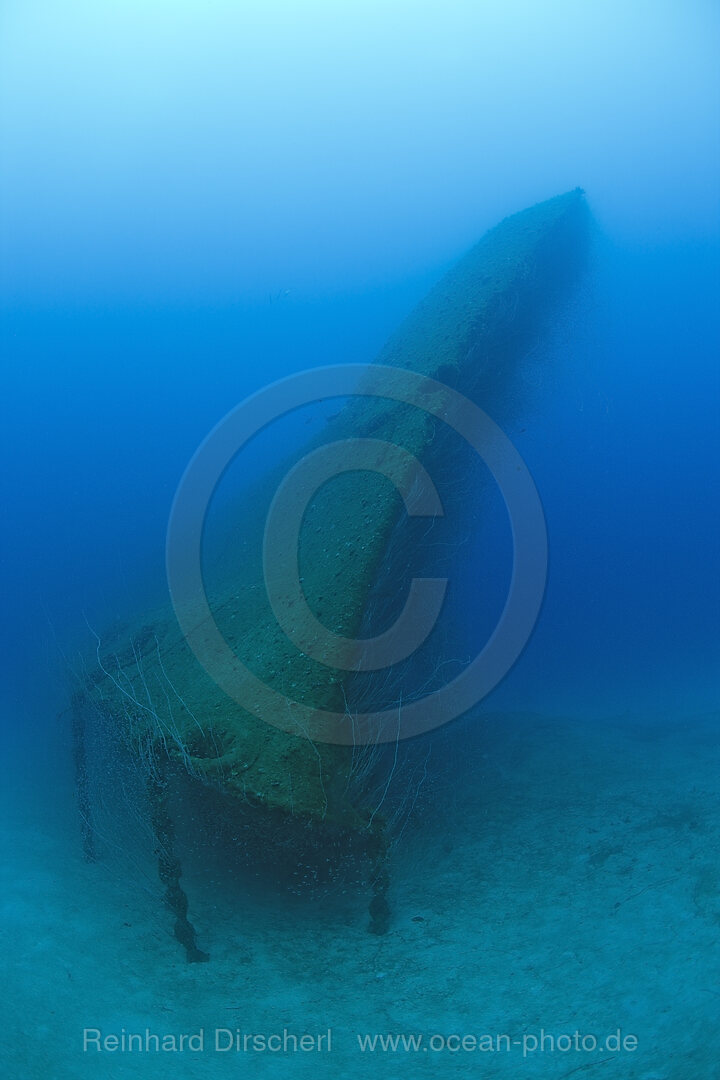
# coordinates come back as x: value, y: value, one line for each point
x: 199, y: 199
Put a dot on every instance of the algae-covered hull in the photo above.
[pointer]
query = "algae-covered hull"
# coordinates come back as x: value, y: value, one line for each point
x: 470, y: 333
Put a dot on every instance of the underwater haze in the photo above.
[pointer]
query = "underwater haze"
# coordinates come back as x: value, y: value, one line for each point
x: 197, y: 199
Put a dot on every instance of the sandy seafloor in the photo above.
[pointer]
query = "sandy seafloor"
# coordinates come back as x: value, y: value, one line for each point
x: 570, y: 882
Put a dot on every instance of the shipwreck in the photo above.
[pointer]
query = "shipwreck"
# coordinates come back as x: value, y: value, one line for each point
x: 250, y: 743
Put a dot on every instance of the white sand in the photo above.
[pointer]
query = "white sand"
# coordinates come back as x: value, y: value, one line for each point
x: 571, y: 882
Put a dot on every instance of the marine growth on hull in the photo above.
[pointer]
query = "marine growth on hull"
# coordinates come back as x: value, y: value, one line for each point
x: 291, y: 753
